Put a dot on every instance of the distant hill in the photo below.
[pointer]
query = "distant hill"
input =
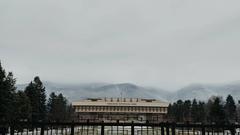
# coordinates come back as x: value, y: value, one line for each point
x: 79, y: 91
x: 199, y: 91
x: 204, y: 91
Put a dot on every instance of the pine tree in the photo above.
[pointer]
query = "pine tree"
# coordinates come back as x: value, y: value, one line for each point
x: 230, y: 109
x: 22, y: 107
x: 7, y: 90
x: 57, y: 107
x: 194, y: 111
x: 51, y: 106
x: 33, y: 97
x: 36, y: 94
x: 170, y: 112
x: 173, y: 112
x: 201, y: 115
x: 42, y: 97
x: 62, y: 106
x: 186, y: 110
x: 179, y: 109
x: 216, y: 111
x: 70, y: 113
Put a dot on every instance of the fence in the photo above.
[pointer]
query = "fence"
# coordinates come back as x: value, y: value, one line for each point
x: 116, y: 128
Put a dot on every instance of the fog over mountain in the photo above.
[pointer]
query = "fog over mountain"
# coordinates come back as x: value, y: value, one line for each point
x: 204, y: 91
x: 80, y: 91
x: 95, y: 90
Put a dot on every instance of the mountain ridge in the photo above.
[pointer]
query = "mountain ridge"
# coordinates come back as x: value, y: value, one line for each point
x: 129, y: 90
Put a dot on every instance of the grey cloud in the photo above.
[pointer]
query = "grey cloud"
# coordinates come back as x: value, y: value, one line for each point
x: 159, y: 43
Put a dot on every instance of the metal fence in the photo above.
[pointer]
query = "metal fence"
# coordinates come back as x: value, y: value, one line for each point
x: 116, y: 128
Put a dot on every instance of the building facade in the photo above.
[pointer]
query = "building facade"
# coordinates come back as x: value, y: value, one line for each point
x: 122, y: 109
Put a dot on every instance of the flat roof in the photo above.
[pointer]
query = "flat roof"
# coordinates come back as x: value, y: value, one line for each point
x: 120, y: 102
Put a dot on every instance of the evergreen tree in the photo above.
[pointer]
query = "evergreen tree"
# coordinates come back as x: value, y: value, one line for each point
x: 42, y: 97
x: 51, y: 106
x: 170, y: 112
x: 216, y: 112
x: 70, y: 113
x: 36, y: 94
x: 230, y: 109
x: 33, y: 97
x: 174, y: 112
x: 7, y: 90
x: 178, y: 111
x: 57, y: 107
x: 22, y: 107
x: 201, y: 115
x: 62, y: 101
x: 238, y: 111
x: 187, y: 110
x: 194, y: 111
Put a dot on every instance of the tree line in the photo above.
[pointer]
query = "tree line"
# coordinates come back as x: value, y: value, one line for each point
x: 215, y: 110
x: 30, y: 104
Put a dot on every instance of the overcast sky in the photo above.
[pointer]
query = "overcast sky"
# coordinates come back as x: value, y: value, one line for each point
x: 166, y: 44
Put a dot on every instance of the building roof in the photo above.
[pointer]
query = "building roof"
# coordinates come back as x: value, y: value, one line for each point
x: 120, y: 102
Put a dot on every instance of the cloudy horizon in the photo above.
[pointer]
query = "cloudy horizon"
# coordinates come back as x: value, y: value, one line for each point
x: 165, y: 44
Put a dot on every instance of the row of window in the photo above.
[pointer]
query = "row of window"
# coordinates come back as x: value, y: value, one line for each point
x: 120, y: 109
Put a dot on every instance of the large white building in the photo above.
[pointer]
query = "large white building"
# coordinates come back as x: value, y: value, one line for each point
x: 122, y: 109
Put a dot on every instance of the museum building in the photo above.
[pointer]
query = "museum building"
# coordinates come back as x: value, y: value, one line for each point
x: 122, y: 109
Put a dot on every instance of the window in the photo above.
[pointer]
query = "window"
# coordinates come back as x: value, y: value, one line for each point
x: 153, y: 109
x: 137, y: 109
x: 165, y: 109
x: 150, y: 109
x: 147, y: 109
